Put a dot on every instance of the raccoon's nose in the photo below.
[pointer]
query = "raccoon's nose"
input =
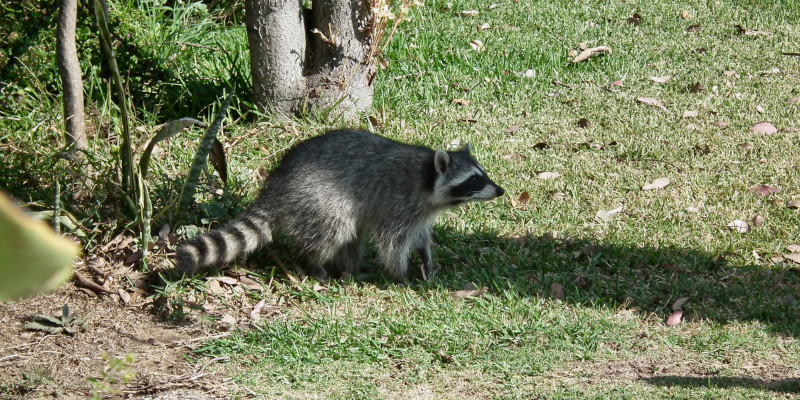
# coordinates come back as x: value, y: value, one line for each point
x: 499, y: 191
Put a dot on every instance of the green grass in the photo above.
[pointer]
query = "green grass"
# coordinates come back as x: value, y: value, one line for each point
x: 607, y: 338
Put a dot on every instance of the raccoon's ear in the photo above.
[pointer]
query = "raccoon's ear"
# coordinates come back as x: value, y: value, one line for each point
x: 440, y: 161
x: 467, y: 149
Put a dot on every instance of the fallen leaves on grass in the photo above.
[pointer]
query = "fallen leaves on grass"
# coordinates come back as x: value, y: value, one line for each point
x: 469, y: 291
x: 591, y: 52
x: 675, y: 318
x: 477, y: 45
x: 690, y: 114
x: 606, y: 215
x: 652, y: 102
x: 656, y: 184
x: 678, y: 304
x: 635, y: 19
x: 255, y: 313
x: 548, y: 175
x: 750, y: 32
x: 738, y: 226
x: 764, y: 128
x: 661, y: 79
x: 763, y: 190
x: 696, y: 87
x: 793, y: 257
x: 521, y: 200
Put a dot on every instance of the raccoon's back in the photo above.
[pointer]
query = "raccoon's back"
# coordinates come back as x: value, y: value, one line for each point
x: 349, y: 174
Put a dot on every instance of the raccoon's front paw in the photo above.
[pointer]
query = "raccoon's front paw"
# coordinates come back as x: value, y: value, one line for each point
x: 428, y: 271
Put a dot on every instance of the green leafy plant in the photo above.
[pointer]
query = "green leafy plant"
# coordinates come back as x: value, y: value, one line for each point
x: 134, y: 187
x: 115, y: 372
x: 67, y: 323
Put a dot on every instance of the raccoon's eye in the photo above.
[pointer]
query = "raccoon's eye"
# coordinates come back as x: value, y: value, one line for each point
x: 474, y: 178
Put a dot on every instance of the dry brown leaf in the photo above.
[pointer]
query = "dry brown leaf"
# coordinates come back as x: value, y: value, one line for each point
x: 696, y: 87
x: 548, y: 175
x: 793, y: 248
x: 693, y: 28
x: 591, y: 52
x: 584, y: 123
x: 515, y: 157
x: 461, y: 102
x: 124, y: 296
x: 794, y: 203
x: 512, y: 128
x: 758, y: 221
x: 215, y: 287
x: 477, y: 45
x: 469, y: 13
x: 521, y: 200
x: 750, y: 32
x: 255, y: 314
x: 793, y: 257
x: 227, y: 319
x: 463, y: 294
x: 484, y: 26
x: 661, y: 79
x: 652, y: 102
x: 678, y: 304
x: 606, y: 215
x: 763, y: 190
x: 793, y: 100
x: 656, y: 184
x: 764, y: 128
x: 685, y: 14
x: 249, y: 283
x: 675, y: 318
x: 319, y: 288
x: 738, y: 226
x: 690, y: 114
x: 228, y: 280
x: 635, y: 19
x: 558, y: 196
x: 721, y: 124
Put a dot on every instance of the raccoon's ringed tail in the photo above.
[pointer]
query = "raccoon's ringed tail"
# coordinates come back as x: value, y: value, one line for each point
x: 237, y: 238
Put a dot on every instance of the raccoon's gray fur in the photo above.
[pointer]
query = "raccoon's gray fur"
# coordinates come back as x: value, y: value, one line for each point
x: 331, y: 191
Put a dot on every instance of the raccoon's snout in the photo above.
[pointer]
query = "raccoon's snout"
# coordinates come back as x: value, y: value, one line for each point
x: 498, y: 191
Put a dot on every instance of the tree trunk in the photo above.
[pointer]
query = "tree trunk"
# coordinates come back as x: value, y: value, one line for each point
x: 72, y: 84
x: 319, y: 65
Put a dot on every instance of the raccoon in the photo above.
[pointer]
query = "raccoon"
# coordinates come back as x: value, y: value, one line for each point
x: 330, y: 192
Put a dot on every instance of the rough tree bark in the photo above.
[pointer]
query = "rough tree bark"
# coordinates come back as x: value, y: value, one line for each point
x: 72, y: 84
x: 316, y: 59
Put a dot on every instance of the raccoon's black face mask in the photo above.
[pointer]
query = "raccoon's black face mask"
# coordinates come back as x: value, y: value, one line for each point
x: 462, y: 179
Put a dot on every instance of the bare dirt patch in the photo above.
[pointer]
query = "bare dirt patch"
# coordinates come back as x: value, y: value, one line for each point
x: 35, y: 364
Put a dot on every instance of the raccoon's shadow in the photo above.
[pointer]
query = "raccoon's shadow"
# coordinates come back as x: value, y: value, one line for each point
x: 720, y: 287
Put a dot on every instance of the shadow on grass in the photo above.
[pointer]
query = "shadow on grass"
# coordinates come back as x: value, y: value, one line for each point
x: 720, y: 287
x: 783, y: 385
